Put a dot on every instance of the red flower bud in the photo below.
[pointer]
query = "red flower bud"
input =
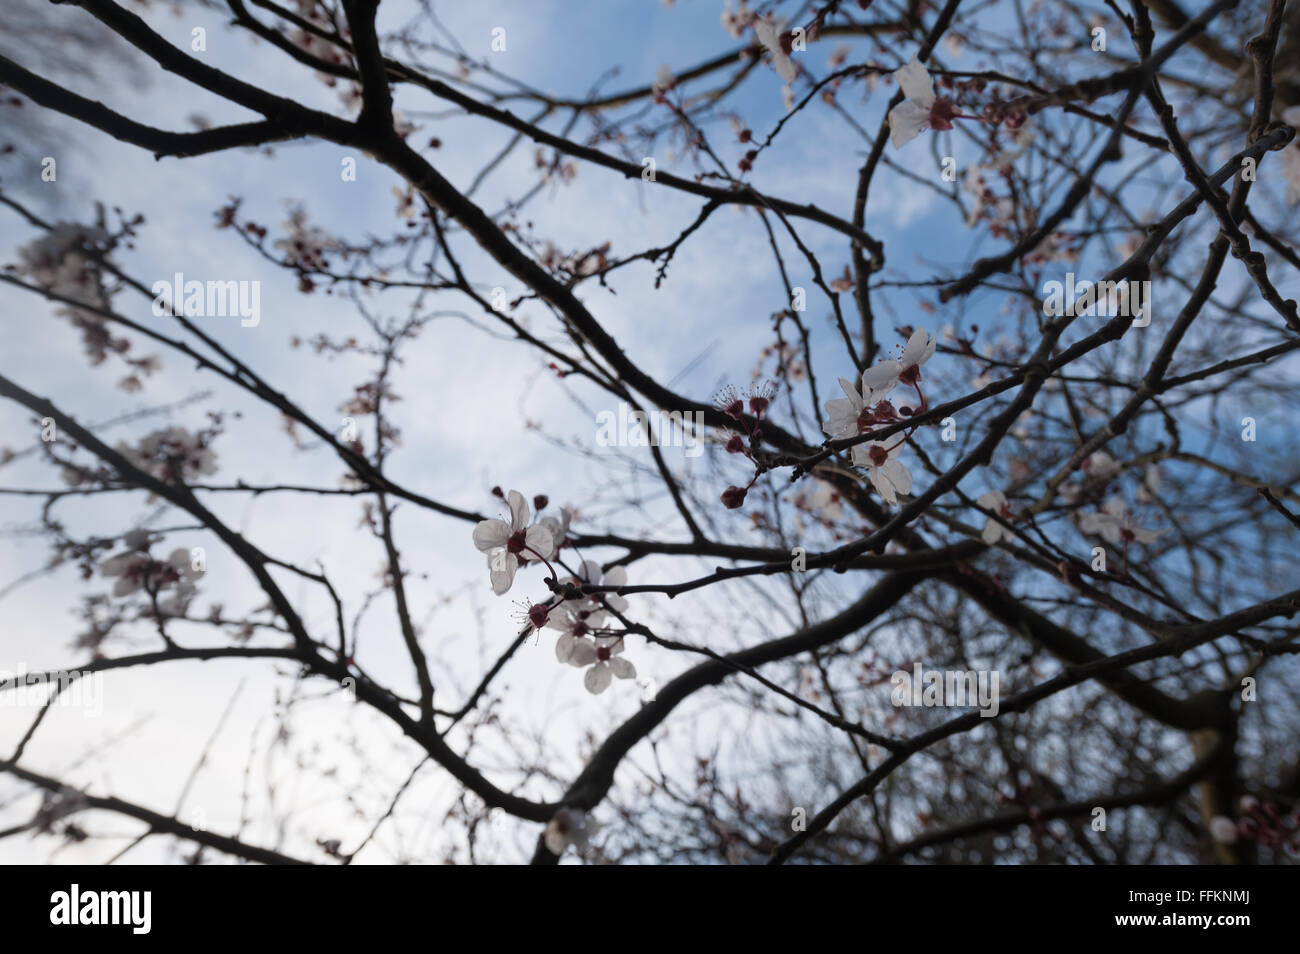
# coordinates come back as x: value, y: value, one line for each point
x: 733, y: 497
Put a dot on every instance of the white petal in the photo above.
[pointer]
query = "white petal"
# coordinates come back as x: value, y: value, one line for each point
x: 622, y: 668
x: 503, y: 574
x: 992, y: 500
x: 915, y: 82
x: 556, y: 841
x: 907, y: 120
x: 116, y: 566
x: 766, y: 34
x: 919, y: 348
x: 850, y: 391
x: 490, y: 534
x: 879, y: 379
x: 784, y: 65
x: 883, y: 486
x: 1116, y: 507
x: 589, y: 571
x: 993, y: 532
x: 583, y: 653
x: 597, y: 679
x: 518, y: 510
x: 564, y: 647
x: 540, y: 540
x: 617, y: 576
x: 898, y: 475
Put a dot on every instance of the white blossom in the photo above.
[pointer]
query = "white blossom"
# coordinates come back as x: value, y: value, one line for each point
x: 570, y: 827
x: 996, y: 501
x: 508, y: 544
x: 887, y: 473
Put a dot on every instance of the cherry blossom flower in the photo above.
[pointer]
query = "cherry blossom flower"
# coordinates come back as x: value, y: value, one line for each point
x: 607, y: 665
x: 171, y: 454
x: 305, y: 246
x: 823, y: 501
x: 843, y: 414
x: 844, y: 282
x: 996, y: 501
x: 1223, y: 830
x: 559, y: 527
x: 506, y: 543
x: 1150, y: 486
x: 770, y: 37
x: 1115, y: 525
x: 735, y: 21
x: 921, y: 110
x: 570, y: 827
x: 66, y: 260
x: 887, y: 473
x: 136, y: 569
x: 1101, y: 465
x: 882, y: 378
x: 853, y: 414
x: 578, y: 651
x: 590, y: 573
x: 664, y: 81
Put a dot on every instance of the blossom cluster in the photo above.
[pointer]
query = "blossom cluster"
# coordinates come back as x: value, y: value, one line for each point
x: 136, y: 568
x: 858, y: 413
x: 172, y: 454
x: 586, y: 641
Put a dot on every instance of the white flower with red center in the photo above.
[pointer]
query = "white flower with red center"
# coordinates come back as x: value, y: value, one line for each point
x: 578, y: 622
x: 510, y: 545
x: 571, y: 827
x: 577, y: 651
x: 559, y: 527
x: 921, y: 110
x: 590, y: 573
x: 882, y: 378
x: 995, y: 501
x: 1113, y: 523
x: 172, y: 454
x: 854, y: 414
x: 606, y: 664
x: 136, y: 569
x: 776, y: 43
x: 887, y: 473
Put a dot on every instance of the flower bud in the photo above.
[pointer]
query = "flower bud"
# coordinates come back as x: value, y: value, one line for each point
x: 733, y: 497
